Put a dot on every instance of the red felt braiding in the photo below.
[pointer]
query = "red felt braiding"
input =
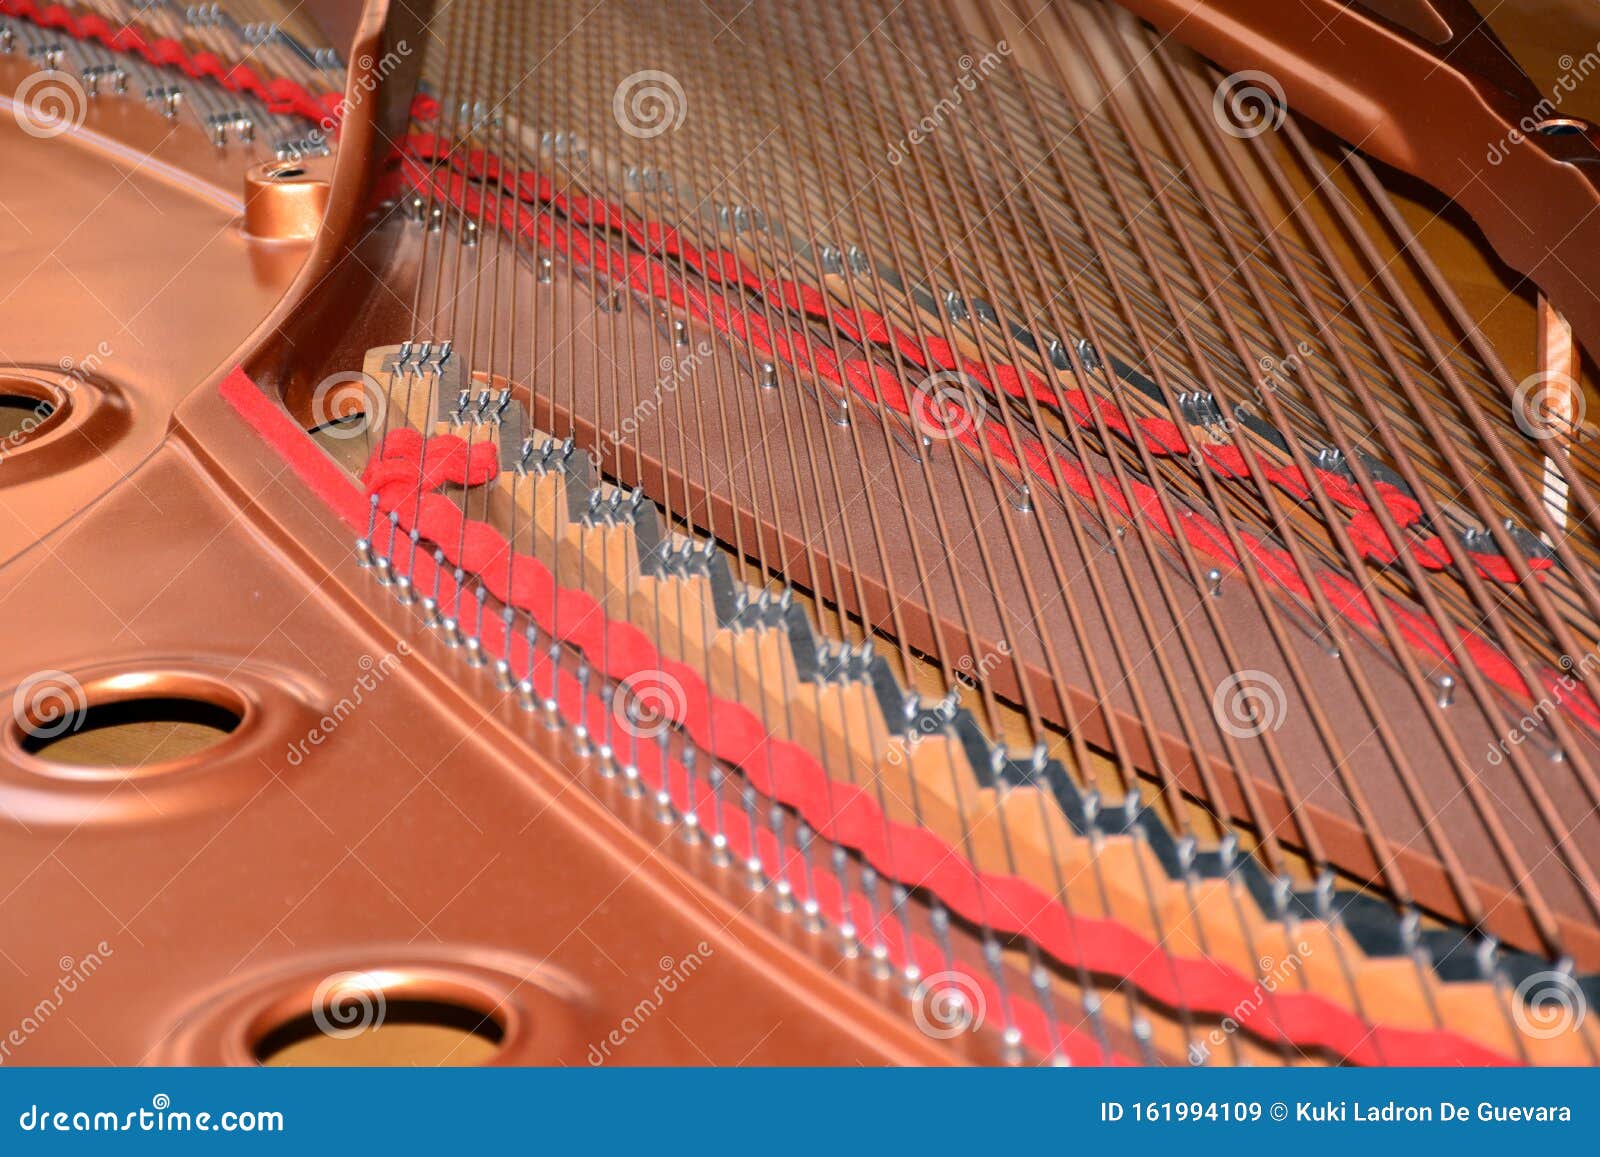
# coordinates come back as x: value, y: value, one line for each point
x: 840, y: 812
x: 1161, y: 436
x: 659, y: 771
x: 280, y: 94
x: 879, y: 386
x: 848, y: 815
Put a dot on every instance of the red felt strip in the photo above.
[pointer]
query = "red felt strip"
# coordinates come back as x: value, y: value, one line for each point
x: 660, y: 772
x: 1161, y: 436
x: 280, y: 94
x: 877, y: 385
x: 788, y: 772
x: 848, y: 815
x: 319, y: 472
x: 330, y: 483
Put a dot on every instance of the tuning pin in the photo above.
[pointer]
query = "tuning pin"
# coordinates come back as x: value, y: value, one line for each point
x: 755, y: 872
x: 551, y: 705
x: 782, y: 889
x: 1322, y: 893
x: 718, y: 842
x: 1088, y: 355
x: 604, y: 754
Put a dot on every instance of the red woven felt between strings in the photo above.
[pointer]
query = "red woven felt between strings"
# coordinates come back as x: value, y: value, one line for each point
x: 656, y: 770
x: 1161, y: 436
x: 848, y: 815
x: 878, y: 385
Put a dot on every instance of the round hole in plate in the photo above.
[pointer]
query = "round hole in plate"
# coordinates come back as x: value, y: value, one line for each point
x: 388, y: 1003
x: 367, y: 1029
x: 288, y: 173
x: 20, y: 415
x: 124, y: 733
x: 27, y: 408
